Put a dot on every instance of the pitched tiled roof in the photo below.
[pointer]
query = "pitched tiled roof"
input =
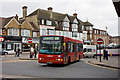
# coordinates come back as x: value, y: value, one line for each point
x: 44, y: 14
x: 117, y: 7
x: 34, y: 26
x: 4, y: 21
x: 21, y: 21
x: 87, y: 24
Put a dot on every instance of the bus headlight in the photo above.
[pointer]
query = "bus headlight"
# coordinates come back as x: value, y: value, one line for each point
x: 58, y: 59
x: 41, y: 58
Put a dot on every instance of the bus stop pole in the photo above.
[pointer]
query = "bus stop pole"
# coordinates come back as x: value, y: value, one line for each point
x: 96, y: 51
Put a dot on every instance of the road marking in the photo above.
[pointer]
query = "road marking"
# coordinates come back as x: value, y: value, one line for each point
x: 99, y: 66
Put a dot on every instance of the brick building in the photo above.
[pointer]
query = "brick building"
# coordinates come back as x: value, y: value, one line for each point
x: 16, y: 33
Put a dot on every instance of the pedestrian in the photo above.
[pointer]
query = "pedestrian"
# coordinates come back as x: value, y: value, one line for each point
x: 35, y: 51
x: 18, y: 52
x: 31, y: 52
x: 104, y: 54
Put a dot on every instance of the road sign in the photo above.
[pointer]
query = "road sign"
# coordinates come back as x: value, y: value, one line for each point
x: 2, y: 39
x: 29, y: 40
x: 99, y: 41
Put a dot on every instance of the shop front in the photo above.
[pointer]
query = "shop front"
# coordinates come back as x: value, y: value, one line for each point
x: 28, y: 42
x: 10, y: 43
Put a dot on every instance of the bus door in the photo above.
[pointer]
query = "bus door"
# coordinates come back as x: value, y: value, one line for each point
x: 65, y: 51
x: 75, y: 50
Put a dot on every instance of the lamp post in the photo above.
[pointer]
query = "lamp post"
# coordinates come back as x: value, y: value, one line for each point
x: 106, y: 35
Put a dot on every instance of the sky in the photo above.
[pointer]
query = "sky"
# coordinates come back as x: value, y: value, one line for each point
x: 101, y: 13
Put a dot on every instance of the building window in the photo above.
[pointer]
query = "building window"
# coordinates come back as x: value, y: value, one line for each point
x: 34, y: 34
x: 56, y: 23
x: 13, y: 32
x: 95, y: 31
x: 25, y: 32
x: 90, y: 36
x: 82, y: 28
x: 50, y: 32
x: 74, y: 34
x: 0, y: 31
x: 74, y: 27
x: 44, y: 32
x: 48, y: 22
x: 42, y: 21
x: 9, y: 46
x: 65, y: 26
x: 91, y: 28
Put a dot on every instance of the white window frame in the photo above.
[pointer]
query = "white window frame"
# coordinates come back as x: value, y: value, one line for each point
x: 56, y: 23
x: 34, y: 34
x: 75, y: 27
x: 90, y: 36
x: 48, y: 22
x: 42, y: 21
x: 82, y: 27
x: 26, y: 32
x: 14, y: 32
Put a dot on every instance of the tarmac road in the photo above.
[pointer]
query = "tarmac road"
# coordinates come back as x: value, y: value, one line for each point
x: 74, y: 70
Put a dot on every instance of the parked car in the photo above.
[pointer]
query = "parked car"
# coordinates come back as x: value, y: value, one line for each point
x: 89, y: 51
x: 3, y: 53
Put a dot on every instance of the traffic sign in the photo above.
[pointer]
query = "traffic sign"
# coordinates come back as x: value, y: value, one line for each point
x: 2, y: 39
x: 99, y: 41
x: 29, y: 40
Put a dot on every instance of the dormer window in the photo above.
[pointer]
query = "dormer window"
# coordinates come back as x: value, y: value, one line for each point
x: 56, y: 23
x: 82, y: 28
x: 74, y: 27
x: 42, y: 21
x: 66, y: 26
x: 48, y: 22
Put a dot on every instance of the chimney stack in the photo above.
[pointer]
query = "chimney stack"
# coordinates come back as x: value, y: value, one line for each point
x: 24, y: 11
x: 16, y: 17
x: 50, y: 11
x: 75, y: 14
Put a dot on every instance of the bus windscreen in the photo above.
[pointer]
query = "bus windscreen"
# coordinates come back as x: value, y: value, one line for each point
x: 51, y: 45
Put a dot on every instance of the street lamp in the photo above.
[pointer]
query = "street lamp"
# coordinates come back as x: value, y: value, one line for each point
x: 106, y: 34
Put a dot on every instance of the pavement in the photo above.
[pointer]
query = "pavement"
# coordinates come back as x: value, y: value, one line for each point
x: 112, y: 62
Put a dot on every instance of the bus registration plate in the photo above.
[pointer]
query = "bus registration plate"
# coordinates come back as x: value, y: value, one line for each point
x: 49, y: 62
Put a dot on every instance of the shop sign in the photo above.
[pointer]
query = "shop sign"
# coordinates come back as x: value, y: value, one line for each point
x: 30, y: 40
x: 2, y: 39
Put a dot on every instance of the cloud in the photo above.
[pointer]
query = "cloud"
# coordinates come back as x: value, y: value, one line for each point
x: 101, y: 13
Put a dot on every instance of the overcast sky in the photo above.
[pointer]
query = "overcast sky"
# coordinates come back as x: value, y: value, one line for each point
x: 100, y: 13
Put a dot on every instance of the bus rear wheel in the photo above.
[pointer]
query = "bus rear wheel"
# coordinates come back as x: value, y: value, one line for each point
x: 79, y: 58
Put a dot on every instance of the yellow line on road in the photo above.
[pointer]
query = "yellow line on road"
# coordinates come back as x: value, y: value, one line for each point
x: 99, y: 66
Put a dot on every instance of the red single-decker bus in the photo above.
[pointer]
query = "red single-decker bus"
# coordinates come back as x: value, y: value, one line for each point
x: 59, y: 50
